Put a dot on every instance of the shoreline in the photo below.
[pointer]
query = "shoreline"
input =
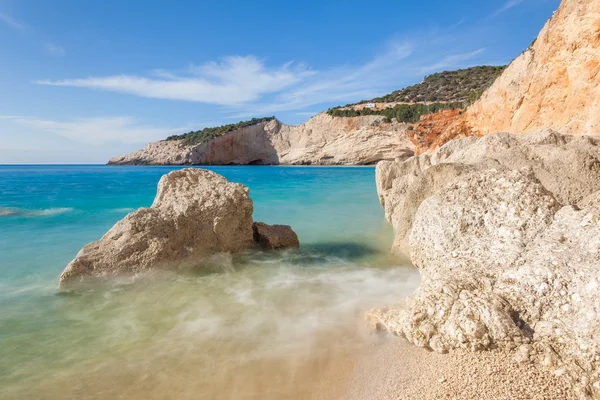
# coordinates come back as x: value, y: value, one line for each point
x: 397, y: 369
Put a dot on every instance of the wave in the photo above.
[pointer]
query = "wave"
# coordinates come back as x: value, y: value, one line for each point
x: 123, y: 210
x: 20, y: 212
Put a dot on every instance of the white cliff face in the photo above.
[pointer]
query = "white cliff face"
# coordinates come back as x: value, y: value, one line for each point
x: 553, y: 84
x: 332, y: 141
x: 506, y: 232
x: 196, y: 214
x: 323, y: 140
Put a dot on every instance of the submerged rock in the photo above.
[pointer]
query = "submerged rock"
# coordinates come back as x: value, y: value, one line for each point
x: 196, y: 214
x: 506, y: 233
x: 275, y: 237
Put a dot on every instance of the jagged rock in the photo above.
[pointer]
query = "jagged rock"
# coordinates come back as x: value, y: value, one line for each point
x: 550, y: 157
x: 275, y: 237
x: 322, y: 140
x: 196, y: 214
x: 554, y: 84
x: 505, y: 230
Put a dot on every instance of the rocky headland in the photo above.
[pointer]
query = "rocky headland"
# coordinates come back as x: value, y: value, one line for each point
x: 322, y: 140
x: 505, y: 230
x: 196, y: 215
x: 505, y: 227
x: 553, y: 84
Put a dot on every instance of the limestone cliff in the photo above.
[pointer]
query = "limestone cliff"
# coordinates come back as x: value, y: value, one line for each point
x: 322, y: 140
x: 554, y: 84
x: 505, y: 230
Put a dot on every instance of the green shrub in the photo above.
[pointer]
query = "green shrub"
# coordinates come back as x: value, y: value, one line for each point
x: 447, y: 86
x: 408, y: 113
x: 197, y: 137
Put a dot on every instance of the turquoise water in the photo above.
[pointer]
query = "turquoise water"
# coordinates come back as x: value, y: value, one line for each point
x: 256, y: 328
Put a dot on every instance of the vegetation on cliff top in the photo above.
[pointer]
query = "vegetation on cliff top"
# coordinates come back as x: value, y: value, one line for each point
x: 440, y: 91
x: 408, y: 113
x: 201, y: 136
x: 463, y: 85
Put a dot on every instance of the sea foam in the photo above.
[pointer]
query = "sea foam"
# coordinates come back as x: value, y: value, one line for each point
x: 19, y: 212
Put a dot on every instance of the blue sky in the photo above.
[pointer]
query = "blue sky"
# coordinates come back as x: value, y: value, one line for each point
x: 81, y: 81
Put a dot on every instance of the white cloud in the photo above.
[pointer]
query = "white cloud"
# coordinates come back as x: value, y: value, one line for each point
x: 245, y: 86
x: 399, y: 65
x: 54, y: 49
x: 97, y: 130
x: 235, y: 80
x: 507, y: 6
x: 8, y: 20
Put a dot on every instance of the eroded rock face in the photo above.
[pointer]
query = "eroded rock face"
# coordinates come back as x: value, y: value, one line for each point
x: 322, y: 140
x: 554, y: 84
x: 275, y: 237
x: 196, y: 214
x: 327, y: 140
x: 506, y: 232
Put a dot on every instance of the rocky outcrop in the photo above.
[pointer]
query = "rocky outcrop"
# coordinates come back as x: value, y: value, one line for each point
x: 554, y: 84
x: 275, y: 237
x: 248, y: 145
x: 322, y: 140
x: 506, y: 232
x: 429, y: 126
x: 196, y: 214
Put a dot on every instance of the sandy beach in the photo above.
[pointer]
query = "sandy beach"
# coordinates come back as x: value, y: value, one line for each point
x: 395, y: 369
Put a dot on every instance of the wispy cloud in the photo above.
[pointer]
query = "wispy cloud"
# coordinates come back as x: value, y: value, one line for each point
x: 247, y: 86
x: 507, y: 6
x: 398, y: 66
x: 451, y: 60
x: 12, y: 22
x: 50, y: 47
x: 235, y: 80
x: 98, y: 130
x: 54, y: 49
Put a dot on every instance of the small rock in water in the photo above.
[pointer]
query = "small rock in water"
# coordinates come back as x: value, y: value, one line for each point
x: 275, y: 237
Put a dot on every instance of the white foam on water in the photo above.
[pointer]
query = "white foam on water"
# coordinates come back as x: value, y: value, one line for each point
x: 224, y: 333
x: 19, y: 212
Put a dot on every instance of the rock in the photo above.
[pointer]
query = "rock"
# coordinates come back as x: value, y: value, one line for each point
x: 275, y: 237
x: 402, y: 187
x: 553, y: 84
x: 505, y: 230
x: 522, y: 354
x: 196, y: 215
x: 322, y: 140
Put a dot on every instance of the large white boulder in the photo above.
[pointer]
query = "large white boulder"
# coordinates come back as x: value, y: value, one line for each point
x: 196, y: 214
x: 506, y: 233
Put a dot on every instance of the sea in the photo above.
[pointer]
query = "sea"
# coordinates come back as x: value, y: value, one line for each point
x: 278, y: 325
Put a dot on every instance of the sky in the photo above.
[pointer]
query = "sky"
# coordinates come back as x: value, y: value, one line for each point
x: 83, y: 81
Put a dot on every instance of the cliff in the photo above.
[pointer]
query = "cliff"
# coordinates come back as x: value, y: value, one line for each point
x: 554, y: 84
x: 322, y: 140
x: 505, y: 230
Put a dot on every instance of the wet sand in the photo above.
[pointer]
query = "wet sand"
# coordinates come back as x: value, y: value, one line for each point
x: 363, y: 366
